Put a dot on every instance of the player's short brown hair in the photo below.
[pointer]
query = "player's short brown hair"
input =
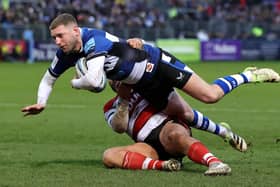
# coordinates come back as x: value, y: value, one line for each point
x: 62, y: 19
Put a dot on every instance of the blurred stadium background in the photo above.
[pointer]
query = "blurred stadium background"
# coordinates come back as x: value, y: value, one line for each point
x: 209, y: 30
x: 63, y: 146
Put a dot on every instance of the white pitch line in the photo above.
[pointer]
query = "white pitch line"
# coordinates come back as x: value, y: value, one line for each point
x: 16, y: 105
x: 238, y: 110
x: 212, y: 109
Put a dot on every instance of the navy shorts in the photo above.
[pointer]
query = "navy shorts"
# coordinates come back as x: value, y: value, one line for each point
x: 170, y: 73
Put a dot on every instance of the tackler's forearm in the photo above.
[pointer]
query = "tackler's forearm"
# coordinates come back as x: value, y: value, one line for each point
x: 120, y: 118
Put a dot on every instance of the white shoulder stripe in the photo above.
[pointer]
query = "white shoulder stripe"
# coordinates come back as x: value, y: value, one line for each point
x: 136, y: 73
x: 112, y: 37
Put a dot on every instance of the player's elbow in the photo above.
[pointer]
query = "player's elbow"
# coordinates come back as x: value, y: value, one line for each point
x: 97, y: 89
x: 120, y: 120
x: 97, y: 84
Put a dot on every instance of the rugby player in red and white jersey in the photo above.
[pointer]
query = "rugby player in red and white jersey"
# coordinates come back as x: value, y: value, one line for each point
x: 160, y: 140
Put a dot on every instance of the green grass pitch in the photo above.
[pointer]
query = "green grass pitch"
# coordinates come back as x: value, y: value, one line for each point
x: 63, y: 146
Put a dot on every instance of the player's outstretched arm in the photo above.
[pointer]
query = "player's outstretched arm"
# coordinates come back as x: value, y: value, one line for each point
x: 33, y: 109
x: 45, y: 88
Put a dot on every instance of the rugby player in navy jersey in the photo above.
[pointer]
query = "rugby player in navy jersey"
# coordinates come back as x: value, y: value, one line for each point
x: 161, y: 141
x: 152, y: 72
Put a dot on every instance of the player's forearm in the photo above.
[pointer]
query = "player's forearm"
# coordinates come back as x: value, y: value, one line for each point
x: 45, y: 88
x: 119, y: 121
x: 96, y: 72
x: 95, y: 78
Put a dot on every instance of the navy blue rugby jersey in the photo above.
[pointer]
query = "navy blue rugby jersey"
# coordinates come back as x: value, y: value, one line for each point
x: 122, y: 62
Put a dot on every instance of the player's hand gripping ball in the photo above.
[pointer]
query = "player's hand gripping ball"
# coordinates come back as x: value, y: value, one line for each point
x: 81, y: 67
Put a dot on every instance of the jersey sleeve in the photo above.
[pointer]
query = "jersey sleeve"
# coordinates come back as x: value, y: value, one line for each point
x: 110, y: 109
x: 45, y: 88
x: 62, y: 62
x: 98, y: 42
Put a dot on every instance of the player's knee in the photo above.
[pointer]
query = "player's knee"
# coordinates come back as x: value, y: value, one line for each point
x: 175, y: 136
x: 212, y: 94
x: 108, y: 155
x: 187, y: 116
x: 210, y: 97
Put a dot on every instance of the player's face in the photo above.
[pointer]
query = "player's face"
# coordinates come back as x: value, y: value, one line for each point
x: 67, y: 38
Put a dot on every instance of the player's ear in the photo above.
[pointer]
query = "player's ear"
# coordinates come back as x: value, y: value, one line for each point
x: 76, y: 30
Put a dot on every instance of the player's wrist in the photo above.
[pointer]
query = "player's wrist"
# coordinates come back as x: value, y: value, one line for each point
x: 42, y: 101
x: 123, y: 102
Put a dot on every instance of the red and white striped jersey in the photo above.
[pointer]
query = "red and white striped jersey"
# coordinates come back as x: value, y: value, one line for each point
x: 143, y: 118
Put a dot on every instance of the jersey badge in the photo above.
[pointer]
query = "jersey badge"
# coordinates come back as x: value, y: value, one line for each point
x: 149, y: 67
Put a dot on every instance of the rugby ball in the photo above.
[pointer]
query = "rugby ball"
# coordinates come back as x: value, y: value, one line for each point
x: 81, y: 67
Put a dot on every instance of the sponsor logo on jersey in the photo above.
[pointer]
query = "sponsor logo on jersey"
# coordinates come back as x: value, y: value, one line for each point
x: 90, y: 44
x: 149, y: 67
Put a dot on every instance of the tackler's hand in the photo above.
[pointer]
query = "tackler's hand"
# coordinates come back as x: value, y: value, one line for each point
x: 135, y: 43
